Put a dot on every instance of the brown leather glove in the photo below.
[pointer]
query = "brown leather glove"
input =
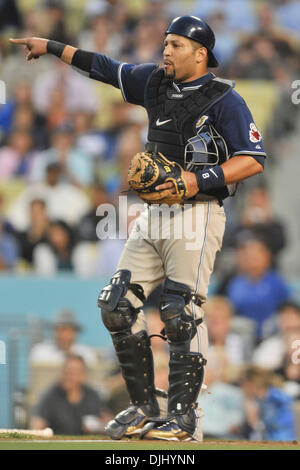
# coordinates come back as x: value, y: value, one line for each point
x: 146, y: 171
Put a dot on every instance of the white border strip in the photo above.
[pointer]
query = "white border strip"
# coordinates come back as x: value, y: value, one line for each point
x: 120, y: 80
x: 200, y: 266
x: 191, y: 87
x: 248, y: 152
x: 176, y: 87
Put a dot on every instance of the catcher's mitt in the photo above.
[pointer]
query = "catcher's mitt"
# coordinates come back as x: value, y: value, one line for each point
x: 147, y: 170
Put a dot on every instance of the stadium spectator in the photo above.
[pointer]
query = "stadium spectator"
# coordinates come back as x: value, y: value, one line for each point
x: 86, y: 230
x: 10, y: 16
x: 6, y: 225
x: 269, y: 413
x: 76, y: 91
x: 270, y: 354
x: 55, y: 24
x: 16, y: 158
x: 64, y: 201
x: 98, y: 147
x: 64, y: 342
x: 25, y: 119
x: 288, y: 13
x: 219, y: 317
x: 257, y: 60
x: 289, y: 372
x: 226, y: 39
x: 240, y: 14
x: 145, y: 50
x: 222, y: 402
x: 75, y: 165
x: 129, y: 143
x: 56, y: 254
x: 113, y: 237
x: 71, y: 407
x: 8, y: 248
x: 257, y: 219
x: 21, y: 97
x: 113, y: 225
x: 36, y: 232
x: 98, y: 36
x: 256, y: 290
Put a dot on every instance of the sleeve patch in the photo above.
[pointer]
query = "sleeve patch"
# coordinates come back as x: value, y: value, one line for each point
x: 254, y: 134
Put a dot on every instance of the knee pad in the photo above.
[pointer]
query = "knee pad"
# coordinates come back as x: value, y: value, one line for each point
x: 179, y: 327
x: 118, y: 314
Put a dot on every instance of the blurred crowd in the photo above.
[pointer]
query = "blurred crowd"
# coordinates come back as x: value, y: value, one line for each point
x: 65, y: 145
x: 251, y: 388
x: 66, y: 141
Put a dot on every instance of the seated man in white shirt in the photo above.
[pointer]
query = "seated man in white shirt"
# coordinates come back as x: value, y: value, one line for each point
x: 54, y: 352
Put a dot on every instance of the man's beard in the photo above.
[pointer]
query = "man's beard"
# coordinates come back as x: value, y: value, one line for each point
x: 171, y: 75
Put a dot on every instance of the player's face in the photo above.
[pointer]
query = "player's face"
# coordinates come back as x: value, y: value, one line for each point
x: 181, y: 59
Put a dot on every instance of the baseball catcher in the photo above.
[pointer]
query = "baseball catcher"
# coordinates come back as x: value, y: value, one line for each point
x: 202, y: 141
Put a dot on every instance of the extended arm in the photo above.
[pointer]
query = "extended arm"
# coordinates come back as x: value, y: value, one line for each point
x: 131, y: 79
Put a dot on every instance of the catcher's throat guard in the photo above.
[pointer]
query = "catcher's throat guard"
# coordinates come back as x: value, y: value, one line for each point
x: 206, y: 149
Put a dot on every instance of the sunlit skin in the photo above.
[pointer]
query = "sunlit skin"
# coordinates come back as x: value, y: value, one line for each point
x: 182, y: 63
x: 65, y: 336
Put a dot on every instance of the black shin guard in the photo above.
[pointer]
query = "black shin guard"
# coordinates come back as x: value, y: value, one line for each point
x: 136, y: 363
x: 185, y: 380
x: 133, y: 350
x: 186, y: 368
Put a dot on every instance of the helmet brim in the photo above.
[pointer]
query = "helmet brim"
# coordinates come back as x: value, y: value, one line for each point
x: 212, y: 61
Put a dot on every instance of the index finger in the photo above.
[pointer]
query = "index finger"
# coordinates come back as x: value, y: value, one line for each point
x: 167, y: 185
x: 19, y: 41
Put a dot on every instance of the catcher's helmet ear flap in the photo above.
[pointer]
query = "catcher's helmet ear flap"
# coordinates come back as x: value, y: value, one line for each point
x: 194, y: 28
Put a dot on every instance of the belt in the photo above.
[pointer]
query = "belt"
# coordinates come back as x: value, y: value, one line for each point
x: 200, y: 197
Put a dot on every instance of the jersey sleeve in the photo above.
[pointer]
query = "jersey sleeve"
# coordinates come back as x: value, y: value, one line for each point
x: 129, y: 78
x: 235, y: 123
x: 133, y: 80
x: 105, y: 69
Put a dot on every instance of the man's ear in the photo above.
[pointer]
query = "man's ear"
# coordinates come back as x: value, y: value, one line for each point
x: 201, y: 54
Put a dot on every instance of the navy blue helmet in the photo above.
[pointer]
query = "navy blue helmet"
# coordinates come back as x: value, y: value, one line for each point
x: 194, y: 28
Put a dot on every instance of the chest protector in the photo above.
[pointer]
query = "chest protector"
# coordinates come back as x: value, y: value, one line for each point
x: 173, y: 115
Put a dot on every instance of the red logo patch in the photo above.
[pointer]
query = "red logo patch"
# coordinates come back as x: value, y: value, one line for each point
x: 254, y: 134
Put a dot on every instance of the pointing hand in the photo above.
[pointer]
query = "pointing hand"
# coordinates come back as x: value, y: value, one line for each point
x: 34, y: 47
